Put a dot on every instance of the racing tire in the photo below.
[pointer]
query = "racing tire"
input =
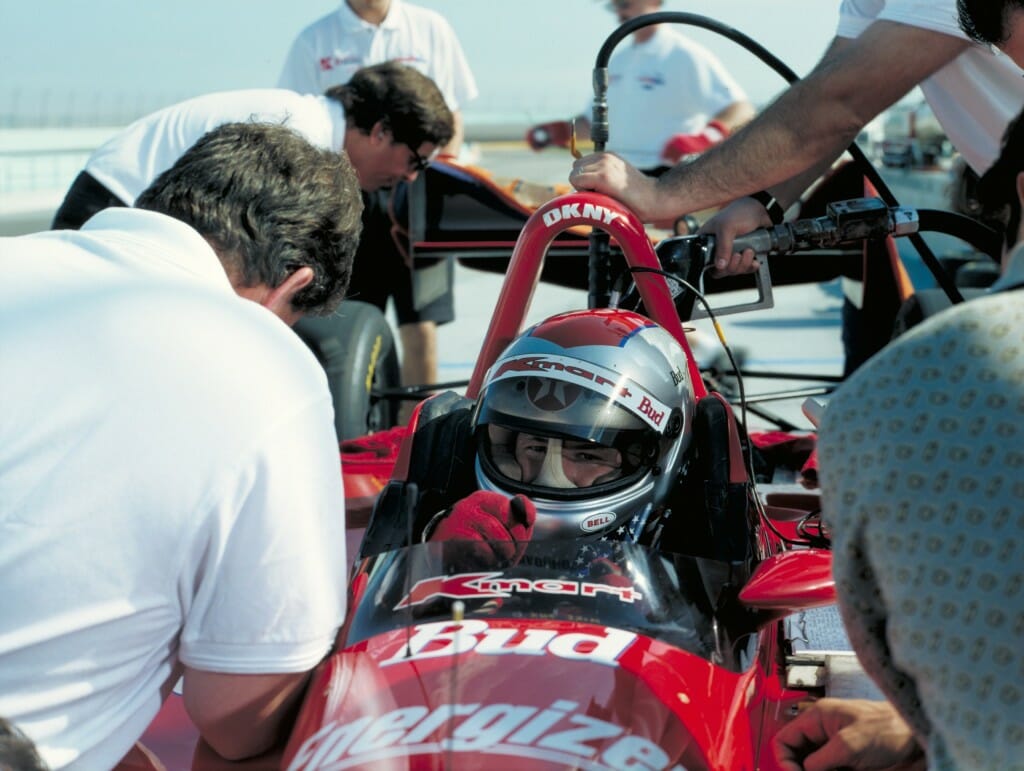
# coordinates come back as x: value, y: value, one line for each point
x: 977, y: 274
x: 357, y: 350
x: 923, y: 305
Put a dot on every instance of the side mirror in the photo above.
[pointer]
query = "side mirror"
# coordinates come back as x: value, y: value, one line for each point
x: 791, y: 581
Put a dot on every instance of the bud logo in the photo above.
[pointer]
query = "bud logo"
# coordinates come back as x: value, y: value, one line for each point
x: 448, y: 638
x: 647, y: 408
x: 598, y: 521
x: 485, y: 586
x: 572, y: 211
x: 559, y: 735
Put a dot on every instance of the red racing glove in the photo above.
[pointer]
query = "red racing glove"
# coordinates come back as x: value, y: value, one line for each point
x: 502, y: 527
x: 688, y: 144
x: 546, y: 134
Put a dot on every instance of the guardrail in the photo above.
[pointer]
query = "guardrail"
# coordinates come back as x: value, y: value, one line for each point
x: 24, y: 171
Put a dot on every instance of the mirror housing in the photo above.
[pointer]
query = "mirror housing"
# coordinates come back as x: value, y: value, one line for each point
x: 791, y: 581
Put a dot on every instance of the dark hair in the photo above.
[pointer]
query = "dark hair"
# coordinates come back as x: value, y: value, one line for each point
x: 17, y: 752
x: 407, y: 102
x: 997, y: 189
x: 987, y: 21
x: 269, y: 202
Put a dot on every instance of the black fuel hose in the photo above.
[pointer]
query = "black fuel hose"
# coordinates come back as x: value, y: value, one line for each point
x: 599, y: 128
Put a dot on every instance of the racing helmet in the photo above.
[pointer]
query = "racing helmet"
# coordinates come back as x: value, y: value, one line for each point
x: 588, y: 414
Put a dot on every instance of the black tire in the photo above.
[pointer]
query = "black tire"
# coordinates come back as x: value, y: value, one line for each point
x: 977, y: 274
x: 924, y: 304
x: 358, y: 353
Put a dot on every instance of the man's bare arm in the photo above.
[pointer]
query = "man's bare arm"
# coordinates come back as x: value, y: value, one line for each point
x: 241, y: 715
x: 802, y: 132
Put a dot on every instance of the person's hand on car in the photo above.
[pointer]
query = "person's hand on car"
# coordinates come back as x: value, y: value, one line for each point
x: 607, y: 173
x: 498, y: 529
x: 736, y: 219
x: 855, y: 734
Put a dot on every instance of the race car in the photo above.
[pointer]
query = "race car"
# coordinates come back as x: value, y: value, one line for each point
x: 636, y: 653
x: 659, y: 659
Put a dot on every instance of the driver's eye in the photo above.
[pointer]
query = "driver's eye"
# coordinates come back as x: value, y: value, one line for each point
x: 590, y: 455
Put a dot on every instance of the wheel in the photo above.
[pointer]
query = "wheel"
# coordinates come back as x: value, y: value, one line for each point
x: 358, y: 353
x: 978, y: 274
x: 924, y: 304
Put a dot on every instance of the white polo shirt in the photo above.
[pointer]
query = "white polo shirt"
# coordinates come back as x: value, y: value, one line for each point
x: 130, y: 160
x: 330, y: 50
x: 665, y: 86
x: 973, y: 97
x: 171, y: 491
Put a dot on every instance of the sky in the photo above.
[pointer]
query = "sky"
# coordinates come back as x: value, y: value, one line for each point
x: 531, y: 58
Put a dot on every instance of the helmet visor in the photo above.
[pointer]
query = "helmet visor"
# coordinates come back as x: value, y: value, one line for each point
x: 548, y: 461
x: 547, y: 437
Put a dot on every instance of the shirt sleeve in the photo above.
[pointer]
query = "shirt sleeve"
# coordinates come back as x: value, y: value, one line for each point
x: 936, y: 15
x: 265, y: 588
x: 855, y: 16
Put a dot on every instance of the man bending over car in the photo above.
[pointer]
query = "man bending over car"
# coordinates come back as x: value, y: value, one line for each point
x: 171, y: 504
x: 389, y: 119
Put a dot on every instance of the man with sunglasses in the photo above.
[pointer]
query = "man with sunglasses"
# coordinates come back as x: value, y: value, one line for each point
x: 668, y: 97
x: 389, y: 118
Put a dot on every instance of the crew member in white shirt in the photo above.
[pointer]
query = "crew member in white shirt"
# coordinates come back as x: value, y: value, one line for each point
x: 171, y: 504
x: 390, y: 119
x: 327, y: 53
x: 668, y: 97
x: 364, y: 32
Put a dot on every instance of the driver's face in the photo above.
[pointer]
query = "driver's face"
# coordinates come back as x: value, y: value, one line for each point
x: 565, y: 463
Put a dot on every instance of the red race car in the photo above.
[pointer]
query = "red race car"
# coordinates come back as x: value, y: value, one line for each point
x: 608, y: 656
x: 642, y: 653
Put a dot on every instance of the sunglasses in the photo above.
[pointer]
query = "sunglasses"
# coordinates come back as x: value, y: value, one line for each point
x: 417, y: 162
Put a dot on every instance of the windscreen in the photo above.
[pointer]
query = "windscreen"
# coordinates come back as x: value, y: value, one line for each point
x: 621, y: 585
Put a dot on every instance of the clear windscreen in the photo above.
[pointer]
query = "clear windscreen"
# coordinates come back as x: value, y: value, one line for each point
x: 666, y: 597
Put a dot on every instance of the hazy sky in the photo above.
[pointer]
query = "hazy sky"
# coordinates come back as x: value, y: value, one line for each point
x: 530, y: 57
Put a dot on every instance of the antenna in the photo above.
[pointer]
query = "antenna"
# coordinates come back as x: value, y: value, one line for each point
x: 458, y: 613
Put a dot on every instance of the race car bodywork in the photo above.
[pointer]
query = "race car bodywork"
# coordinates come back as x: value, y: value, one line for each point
x: 633, y: 658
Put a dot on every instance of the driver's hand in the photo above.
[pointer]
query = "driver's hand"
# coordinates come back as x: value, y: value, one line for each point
x: 857, y: 734
x: 502, y: 527
x: 738, y: 218
x: 607, y: 173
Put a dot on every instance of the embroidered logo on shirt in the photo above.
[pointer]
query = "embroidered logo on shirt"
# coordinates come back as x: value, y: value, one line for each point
x: 328, y: 63
x: 650, y: 82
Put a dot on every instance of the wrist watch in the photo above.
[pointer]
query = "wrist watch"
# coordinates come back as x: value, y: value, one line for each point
x: 775, y: 211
